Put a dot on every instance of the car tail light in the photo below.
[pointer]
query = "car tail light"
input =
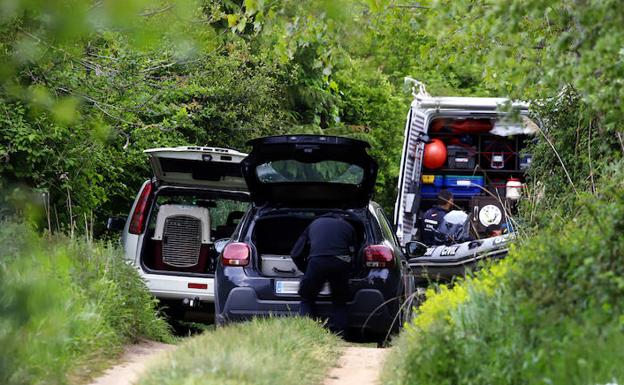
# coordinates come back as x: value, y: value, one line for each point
x: 379, y: 256
x: 235, y: 254
x: 137, y: 223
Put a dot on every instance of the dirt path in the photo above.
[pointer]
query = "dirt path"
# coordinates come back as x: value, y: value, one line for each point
x: 358, y: 366
x: 133, y: 362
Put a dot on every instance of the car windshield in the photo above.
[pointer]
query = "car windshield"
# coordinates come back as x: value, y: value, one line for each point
x: 293, y: 171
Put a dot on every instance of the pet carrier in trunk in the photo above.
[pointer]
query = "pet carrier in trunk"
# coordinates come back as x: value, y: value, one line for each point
x: 182, y: 238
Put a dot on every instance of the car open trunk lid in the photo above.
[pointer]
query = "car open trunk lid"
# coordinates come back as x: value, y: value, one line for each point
x: 310, y: 171
x: 213, y: 167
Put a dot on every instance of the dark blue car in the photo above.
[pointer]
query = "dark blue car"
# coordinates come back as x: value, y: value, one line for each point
x: 292, y: 180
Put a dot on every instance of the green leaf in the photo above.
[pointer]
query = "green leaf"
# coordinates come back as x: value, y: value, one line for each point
x: 232, y: 20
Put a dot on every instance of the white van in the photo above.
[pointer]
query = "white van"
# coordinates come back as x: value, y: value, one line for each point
x: 180, y: 220
x: 484, y: 140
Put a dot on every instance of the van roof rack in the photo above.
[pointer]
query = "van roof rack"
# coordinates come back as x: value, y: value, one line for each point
x: 423, y: 99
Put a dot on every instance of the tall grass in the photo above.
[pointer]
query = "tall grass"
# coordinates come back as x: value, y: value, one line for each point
x: 277, y: 351
x: 552, y: 313
x: 65, y: 305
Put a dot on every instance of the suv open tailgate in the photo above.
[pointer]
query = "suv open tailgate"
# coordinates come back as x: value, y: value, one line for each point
x: 213, y: 167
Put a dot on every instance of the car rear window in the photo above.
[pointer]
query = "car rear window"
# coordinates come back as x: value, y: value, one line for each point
x: 325, y: 171
x: 212, y: 171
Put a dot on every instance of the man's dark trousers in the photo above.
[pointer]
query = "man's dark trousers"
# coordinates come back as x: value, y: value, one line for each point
x: 323, y: 269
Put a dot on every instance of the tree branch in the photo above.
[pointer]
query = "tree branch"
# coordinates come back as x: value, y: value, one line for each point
x: 157, y: 11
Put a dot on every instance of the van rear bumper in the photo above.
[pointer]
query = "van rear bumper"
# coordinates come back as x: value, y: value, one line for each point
x: 177, y: 287
x: 367, y: 312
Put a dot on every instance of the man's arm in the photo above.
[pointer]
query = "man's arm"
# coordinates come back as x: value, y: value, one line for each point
x: 301, y: 250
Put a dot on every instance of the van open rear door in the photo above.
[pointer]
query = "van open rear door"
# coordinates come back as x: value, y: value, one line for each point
x: 194, y: 166
x: 419, y: 129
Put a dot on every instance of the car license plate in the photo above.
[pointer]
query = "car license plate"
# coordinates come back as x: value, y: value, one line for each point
x: 292, y: 287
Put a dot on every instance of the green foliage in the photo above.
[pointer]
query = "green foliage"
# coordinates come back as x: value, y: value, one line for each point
x: 535, y: 47
x: 81, y: 101
x: 373, y: 110
x: 78, y: 110
x: 551, y: 313
x: 261, y: 351
x: 86, y: 87
x: 554, y: 314
x: 564, y: 58
x: 129, y: 101
x: 65, y: 305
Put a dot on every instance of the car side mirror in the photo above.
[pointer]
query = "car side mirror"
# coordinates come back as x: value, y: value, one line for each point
x: 415, y: 249
x: 115, y: 223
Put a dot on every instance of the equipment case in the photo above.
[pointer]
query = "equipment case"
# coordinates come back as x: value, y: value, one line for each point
x: 461, y: 156
x: 273, y: 265
x: 463, y: 186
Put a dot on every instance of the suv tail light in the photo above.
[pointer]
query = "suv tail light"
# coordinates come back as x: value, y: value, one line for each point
x: 378, y: 256
x: 235, y: 254
x: 140, y: 211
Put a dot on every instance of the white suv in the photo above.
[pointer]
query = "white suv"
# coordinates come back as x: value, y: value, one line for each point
x: 180, y: 220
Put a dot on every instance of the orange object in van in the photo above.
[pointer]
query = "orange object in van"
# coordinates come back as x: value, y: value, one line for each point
x: 472, y: 126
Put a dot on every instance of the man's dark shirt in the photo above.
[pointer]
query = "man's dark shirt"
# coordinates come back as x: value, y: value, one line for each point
x: 326, y: 236
x: 430, y: 223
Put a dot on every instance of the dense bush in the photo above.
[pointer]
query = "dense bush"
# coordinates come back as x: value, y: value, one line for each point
x: 65, y: 304
x: 551, y: 313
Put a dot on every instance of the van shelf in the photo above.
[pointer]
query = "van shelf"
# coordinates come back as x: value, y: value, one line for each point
x: 455, y: 199
x: 493, y: 170
x: 471, y: 171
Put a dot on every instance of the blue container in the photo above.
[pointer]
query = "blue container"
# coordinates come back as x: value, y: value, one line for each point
x: 464, y: 186
x: 429, y: 191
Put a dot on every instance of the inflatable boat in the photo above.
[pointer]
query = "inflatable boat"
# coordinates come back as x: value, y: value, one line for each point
x: 443, y: 263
